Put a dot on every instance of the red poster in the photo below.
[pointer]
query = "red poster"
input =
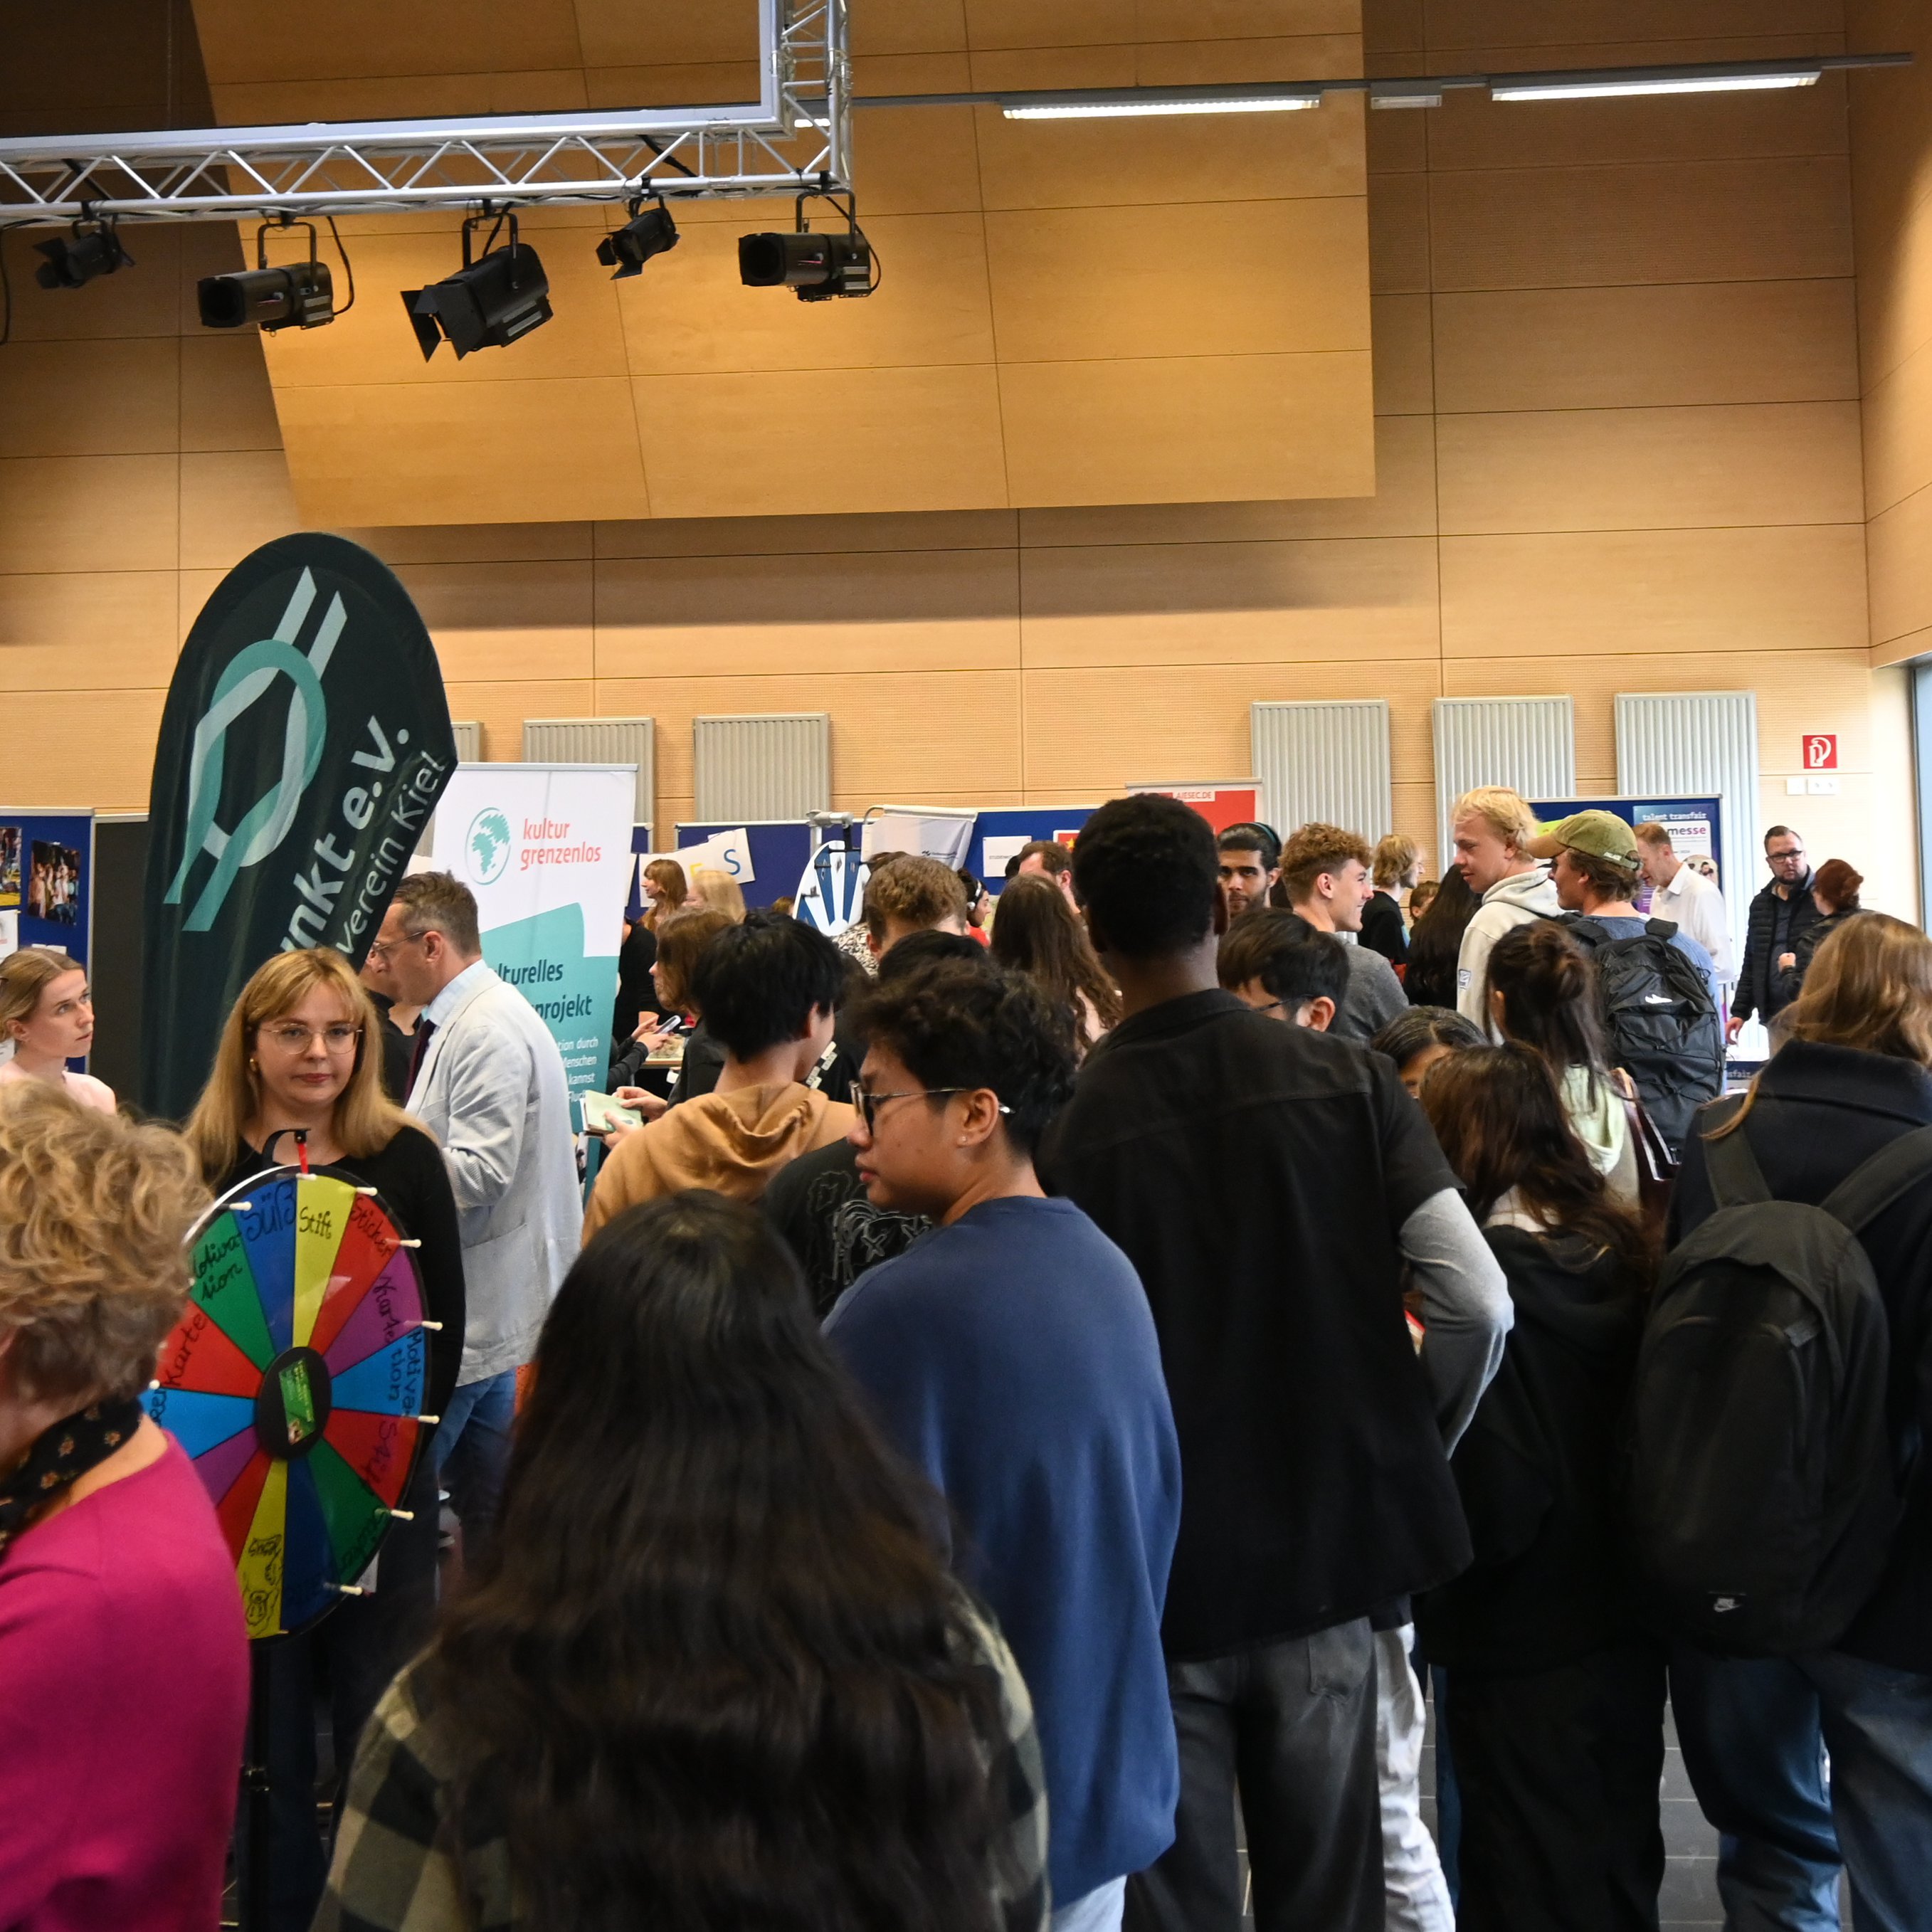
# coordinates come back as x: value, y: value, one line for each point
x: 1228, y: 801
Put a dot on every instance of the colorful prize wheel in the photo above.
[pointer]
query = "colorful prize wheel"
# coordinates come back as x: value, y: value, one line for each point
x: 295, y: 1381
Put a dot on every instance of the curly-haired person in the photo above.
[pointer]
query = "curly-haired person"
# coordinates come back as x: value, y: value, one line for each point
x: 123, y: 1664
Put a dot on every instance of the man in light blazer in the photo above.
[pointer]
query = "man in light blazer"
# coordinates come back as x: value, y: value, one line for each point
x: 487, y: 1079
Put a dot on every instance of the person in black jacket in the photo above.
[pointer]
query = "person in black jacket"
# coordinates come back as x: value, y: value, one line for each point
x: 1852, y: 1077
x: 1384, y: 928
x: 1554, y: 1700
x: 1268, y: 1182
x: 1435, y: 942
x: 1779, y: 916
x: 299, y: 1053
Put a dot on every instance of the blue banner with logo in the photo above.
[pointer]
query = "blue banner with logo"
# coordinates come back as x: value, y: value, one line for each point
x: 304, y: 745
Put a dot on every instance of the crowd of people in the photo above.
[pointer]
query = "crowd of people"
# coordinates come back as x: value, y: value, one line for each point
x: 1024, y: 1406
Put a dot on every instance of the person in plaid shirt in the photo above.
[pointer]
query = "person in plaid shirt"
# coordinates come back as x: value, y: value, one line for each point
x: 711, y: 1670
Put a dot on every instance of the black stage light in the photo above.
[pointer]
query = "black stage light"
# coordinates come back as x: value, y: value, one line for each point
x: 627, y: 249
x: 815, y: 267
x: 300, y: 295
x: 94, y: 248
x: 488, y: 303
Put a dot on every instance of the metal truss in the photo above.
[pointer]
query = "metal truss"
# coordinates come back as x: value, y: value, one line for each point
x: 795, y: 137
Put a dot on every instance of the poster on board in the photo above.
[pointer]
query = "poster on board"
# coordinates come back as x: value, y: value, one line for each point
x: 1222, y: 802
x: 546, y: 850
x: 47, y: 886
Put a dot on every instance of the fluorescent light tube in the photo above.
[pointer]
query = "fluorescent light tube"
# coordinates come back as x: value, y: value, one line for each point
x: 1607, y: 90
x: 1121, y: 110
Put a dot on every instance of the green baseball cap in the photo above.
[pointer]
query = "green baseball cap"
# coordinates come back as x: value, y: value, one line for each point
x: 1603, y: 834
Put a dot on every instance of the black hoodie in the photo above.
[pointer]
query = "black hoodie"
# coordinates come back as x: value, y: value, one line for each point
x: 1537, y: 1469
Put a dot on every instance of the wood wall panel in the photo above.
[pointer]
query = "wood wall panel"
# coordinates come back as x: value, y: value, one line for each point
x: 1647, y: 346
x: 69, y: 512
x: 1758, y: 220
x: 1188, y: 428
x: 1584, y: 592
x: 1891, y: 149
x: 52, y: 628
x: 1651, y: 469
x: 90, y: 398
x: 1017, y: 255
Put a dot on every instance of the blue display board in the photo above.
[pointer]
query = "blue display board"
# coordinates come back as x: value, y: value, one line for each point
x: 780, y: 848
x: 1024, y: 823
x: 47, y: 879
x: 1680, y: 814
x: 46, y: 883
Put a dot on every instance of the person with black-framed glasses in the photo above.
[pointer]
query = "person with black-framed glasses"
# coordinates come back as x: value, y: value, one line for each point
x: 1010, y: 1354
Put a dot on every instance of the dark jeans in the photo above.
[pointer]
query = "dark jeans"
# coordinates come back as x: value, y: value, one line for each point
x: 361, y: 1645
x: 1559, y: 1772
x: 1755, y: 1732
x: 471, y: 1451
x: 1293, y: 1725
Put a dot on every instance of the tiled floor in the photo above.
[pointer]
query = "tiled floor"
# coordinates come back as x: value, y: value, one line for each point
x: 1689, y: 1896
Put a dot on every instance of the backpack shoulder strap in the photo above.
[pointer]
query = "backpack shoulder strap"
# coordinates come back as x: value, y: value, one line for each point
x: 1736, y: 1179
x: 1665, y: 929
x: 1872, y: 1187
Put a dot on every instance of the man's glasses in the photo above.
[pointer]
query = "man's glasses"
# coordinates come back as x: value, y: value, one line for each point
x: 292, y: 1036
x: 381, y: 950
x: 868, y: 1104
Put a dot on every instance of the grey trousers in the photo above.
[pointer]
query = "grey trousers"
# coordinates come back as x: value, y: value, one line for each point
x: 1290, y: 1726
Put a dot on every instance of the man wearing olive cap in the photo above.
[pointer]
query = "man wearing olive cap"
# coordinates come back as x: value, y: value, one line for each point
x: 1596, y: 867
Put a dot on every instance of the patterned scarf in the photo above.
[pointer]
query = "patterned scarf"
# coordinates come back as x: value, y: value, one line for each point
x: 60, y: 1455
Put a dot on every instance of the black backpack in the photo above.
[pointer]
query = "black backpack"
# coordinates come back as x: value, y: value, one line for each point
x: 1661, y: 1022
x: 1762, y: 1489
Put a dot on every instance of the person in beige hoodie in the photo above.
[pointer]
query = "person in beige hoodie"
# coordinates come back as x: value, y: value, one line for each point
x: 768, y: 990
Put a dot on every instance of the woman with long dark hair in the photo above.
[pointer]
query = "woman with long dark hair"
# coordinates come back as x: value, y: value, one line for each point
x: 1555, y: 1698
x: 712, y: 1671
x: 1542, y: 994
x: 1037, y: 933
x: 1435, y: 940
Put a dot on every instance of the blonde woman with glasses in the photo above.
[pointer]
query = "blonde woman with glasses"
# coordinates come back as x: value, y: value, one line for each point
x: 300, y: 1055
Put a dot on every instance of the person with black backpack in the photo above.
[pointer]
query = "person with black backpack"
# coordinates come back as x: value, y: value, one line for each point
x: 1780, y: 1503
x: 1553, y: 1703
x: 1658, y: 984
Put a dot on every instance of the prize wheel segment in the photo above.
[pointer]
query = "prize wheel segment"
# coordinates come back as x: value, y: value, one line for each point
x: 294, y: 1381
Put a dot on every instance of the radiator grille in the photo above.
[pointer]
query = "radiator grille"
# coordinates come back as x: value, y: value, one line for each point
x: 772, y: 765
x: 1326, y: 761
x: 1700, y: 744
x: 598, y: 741
x: 1527, y: 743
x: 469, y: 736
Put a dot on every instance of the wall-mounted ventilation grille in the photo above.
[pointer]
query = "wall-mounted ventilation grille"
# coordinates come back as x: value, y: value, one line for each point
x: 775, y: 766
x: 1700, y: 744
x: 598, y: 741
x: 469, y: 734
x: 1527, y: 743
x: 1326, y: 761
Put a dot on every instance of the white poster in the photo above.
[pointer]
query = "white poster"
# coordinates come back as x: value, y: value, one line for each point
x: 546, y: 850
x: 937, y: 831
x: 726, y: 852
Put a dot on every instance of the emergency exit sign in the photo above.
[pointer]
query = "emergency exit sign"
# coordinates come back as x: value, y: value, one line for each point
x: 1821, y: 752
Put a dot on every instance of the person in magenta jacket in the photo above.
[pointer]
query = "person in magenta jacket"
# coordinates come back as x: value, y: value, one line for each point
x: 124, y: 1663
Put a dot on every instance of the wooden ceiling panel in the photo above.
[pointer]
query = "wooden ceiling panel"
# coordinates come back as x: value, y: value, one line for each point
x: 1068, y: 314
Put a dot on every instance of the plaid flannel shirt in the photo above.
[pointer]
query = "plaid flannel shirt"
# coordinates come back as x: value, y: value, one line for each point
x: 397, y: 1868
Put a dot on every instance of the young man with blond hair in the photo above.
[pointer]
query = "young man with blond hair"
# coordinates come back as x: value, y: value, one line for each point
x: 1492, y: 828
x: 1325, y: 871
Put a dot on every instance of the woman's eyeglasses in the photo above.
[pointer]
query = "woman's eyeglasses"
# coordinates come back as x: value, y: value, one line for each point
x: 292, y: 1036
x: 868, y: 1104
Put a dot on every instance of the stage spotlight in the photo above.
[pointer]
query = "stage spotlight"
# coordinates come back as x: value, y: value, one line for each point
x: 94, y: 248
x: 814, y: 267
x: 489, y: 303
x: 650, y: 233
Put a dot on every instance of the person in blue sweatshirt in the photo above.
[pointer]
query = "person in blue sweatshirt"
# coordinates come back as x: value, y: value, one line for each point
x: 1011, y: 1354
